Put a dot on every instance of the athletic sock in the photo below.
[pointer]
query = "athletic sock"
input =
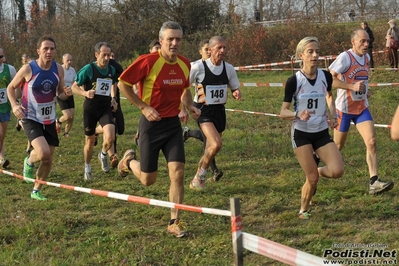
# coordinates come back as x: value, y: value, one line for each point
x: 373, y: 179
x: 202, y: 173
x: 29, y: 164
x: 87, y: 168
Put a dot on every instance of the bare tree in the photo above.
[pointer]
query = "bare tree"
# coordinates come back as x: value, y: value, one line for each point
x: 308, y: 6
x: 51, y: 9
x: 21, y: 15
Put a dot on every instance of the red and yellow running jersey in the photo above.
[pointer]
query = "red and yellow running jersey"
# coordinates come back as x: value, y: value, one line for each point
x: 160, y: 83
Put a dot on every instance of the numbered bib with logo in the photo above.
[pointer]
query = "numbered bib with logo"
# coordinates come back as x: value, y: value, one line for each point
x: 45, y: 111
x: 216, y: 94
x: 103, y: 87
x: 314, y: 102
x: 359, y: 95
x: 3, y: 95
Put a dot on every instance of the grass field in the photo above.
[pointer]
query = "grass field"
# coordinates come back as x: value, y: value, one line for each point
x: 73, y: 228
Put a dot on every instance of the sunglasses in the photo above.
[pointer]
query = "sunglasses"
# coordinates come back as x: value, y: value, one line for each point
x: 1, y: 56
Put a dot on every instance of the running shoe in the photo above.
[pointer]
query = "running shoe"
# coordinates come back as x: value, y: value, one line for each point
x: 4, y: 163
x: 379, y: 186
x: 198, y: 183
x: 123, y: 168
x: 37, y: 195
x: 185, y: 133
x: 177, y: 228
x: 87, y: 176
x: 304, y: 215
x: 114, y: 160
x: 104, y: 163
x: 29, y: 171
x: 217, y: 174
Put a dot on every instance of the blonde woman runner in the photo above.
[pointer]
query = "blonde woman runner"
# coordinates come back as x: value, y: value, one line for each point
x: 311, y: 91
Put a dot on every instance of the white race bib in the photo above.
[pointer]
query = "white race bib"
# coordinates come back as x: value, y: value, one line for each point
x: 103, y: 87
x: 314, y: 102
x: 45, y: 111
x: 359, y: 95
x: 216, y: 94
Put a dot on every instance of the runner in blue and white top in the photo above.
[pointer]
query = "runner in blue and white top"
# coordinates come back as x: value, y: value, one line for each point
x: 43, y: 80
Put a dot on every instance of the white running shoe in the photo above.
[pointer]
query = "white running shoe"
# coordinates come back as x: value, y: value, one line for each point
x: 88, y: 176
x: 104, y: 163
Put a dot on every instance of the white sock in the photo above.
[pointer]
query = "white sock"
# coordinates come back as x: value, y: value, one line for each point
x: 202, y: 173
x: 87, y: 168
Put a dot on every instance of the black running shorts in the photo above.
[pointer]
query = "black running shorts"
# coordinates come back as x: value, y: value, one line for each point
x: 165, y: 135
x: 213, y: 113
x: 90, y: 119
x: 35, y: 129
x: 69, y: 103
x: 317, y: 140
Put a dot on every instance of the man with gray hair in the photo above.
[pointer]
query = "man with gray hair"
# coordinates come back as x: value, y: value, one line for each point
x: 163, y: 84
x: 350, y: 72
x: 213, y: 78
x: 96, y: 82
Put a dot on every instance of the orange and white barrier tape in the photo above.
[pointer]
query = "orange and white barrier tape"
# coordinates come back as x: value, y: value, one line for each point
x: 277, y: 115
x: 260, y: 84
x: 281, y: 63
x: 251, y: 112
x: 279, y: 252
x: 326, y: 57
x: 125, y: 197
x: 297, y: 69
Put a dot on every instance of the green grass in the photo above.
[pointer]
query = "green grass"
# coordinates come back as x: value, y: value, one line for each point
x: 73, y: 228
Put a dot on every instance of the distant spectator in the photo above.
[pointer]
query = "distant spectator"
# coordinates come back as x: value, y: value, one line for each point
x: 257, y: 15
x: 366, y: 27
x: 352, y: 15
x: 393, y: 32
x: 25, y: 59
